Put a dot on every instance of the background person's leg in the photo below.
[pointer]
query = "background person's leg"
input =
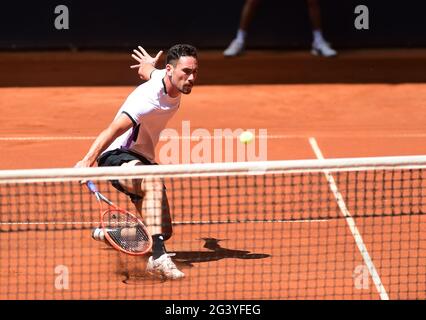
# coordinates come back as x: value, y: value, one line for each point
x: 236, y: 47
x: 314, y: 11
x: 247, y: 14
x: 319, y: 45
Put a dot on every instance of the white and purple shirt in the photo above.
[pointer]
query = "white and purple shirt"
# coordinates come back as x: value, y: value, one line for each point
x: 150, y: 108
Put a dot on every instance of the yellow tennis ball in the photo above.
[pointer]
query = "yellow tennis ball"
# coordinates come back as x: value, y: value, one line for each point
x: 246, y: 137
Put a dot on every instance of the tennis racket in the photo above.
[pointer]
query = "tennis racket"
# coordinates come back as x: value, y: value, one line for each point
x: 122, y: 229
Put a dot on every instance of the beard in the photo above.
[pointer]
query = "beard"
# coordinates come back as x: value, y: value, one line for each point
x: 186, y: 89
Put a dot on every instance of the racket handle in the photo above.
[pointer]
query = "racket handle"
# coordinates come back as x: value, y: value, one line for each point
x: 91, y: 186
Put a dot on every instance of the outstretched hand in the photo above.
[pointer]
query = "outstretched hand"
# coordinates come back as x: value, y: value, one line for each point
x: 144, y: 58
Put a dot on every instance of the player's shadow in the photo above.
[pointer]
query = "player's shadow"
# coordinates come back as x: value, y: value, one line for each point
x: 133, y: 271
x: 217, y: 252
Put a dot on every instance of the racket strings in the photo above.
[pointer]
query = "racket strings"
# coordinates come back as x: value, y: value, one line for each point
x: 125, y: 230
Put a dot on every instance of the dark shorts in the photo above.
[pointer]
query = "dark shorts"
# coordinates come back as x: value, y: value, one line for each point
x: 116, y: 158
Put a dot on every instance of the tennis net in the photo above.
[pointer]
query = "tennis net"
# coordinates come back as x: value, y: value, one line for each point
x: 307, y: 229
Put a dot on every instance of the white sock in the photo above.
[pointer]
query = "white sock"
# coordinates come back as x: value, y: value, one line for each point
x: 241, y: 35
x: 318, y: 36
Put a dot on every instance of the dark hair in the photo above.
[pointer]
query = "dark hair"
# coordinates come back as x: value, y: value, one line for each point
x: 180, y: 50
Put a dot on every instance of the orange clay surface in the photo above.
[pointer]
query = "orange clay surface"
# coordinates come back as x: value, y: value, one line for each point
x: 45, y: 126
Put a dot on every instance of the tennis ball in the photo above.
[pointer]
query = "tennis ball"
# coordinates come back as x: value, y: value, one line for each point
x: 246, y: 137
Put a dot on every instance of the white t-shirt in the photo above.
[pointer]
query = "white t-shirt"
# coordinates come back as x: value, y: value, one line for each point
x: 150, y: 108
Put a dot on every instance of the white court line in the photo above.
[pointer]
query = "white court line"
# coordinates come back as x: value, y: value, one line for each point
x: 352, y: 226
x: 44, y: 138
x: 43, y: 223
x: 196, y: 138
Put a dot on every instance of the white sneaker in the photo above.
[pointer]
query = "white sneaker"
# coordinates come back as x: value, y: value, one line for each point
x: 323, y: 48
x: 235, y: 48
x: 164, y: 266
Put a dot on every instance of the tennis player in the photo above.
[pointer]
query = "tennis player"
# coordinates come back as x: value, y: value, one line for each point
x: 131, y: 138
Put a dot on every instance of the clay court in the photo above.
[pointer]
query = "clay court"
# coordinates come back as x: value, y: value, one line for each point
x: 367, y: 103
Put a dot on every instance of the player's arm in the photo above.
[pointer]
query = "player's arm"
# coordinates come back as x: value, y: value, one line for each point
x: 146, y: 63
x: 120, y: 125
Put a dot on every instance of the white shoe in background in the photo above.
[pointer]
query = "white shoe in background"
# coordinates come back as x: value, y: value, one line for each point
x: 235, y: 48
x: 322, y: 48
